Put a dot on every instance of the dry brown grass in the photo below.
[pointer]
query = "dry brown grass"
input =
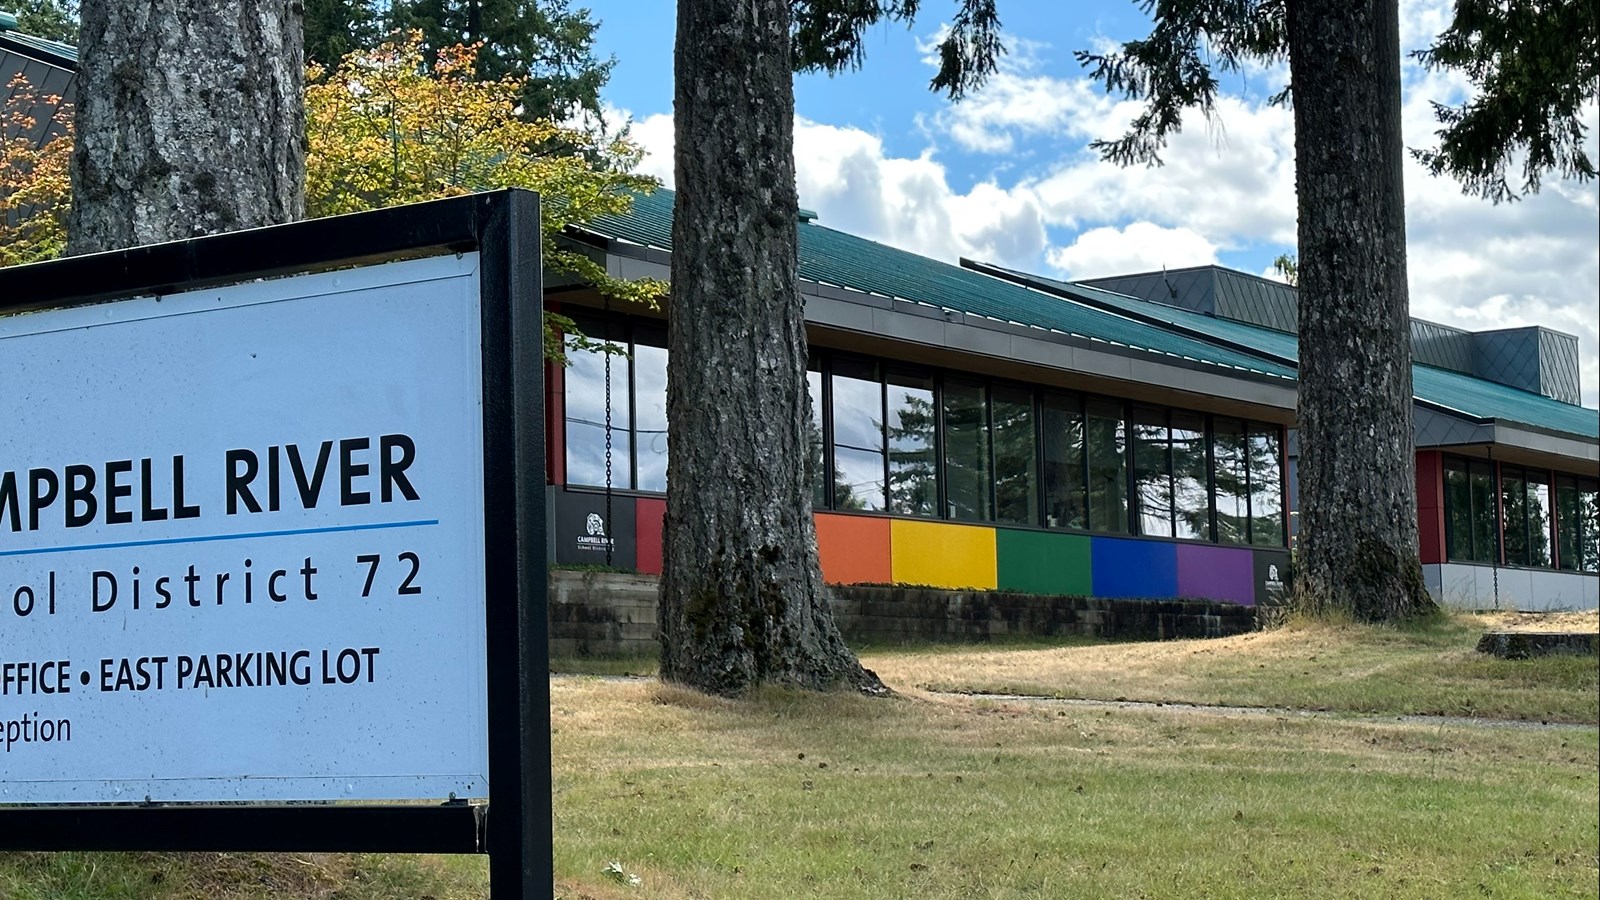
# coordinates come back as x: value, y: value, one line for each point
x: 1587, y: 621
x: 1431, y: 668
x: 789, y: 794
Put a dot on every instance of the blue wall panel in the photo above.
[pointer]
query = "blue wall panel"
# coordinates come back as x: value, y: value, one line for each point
x: 1124, y: 568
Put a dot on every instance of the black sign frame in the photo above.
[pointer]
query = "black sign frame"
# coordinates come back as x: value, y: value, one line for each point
x: 515, y: 828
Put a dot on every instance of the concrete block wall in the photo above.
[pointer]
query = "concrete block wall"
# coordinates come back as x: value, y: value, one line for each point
x: 602, y: 614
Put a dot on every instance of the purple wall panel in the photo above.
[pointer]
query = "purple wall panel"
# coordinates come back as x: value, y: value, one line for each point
x: 1216, y: 573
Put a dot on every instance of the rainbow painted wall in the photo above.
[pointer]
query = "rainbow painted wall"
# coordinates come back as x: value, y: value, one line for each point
x: 863, y: 549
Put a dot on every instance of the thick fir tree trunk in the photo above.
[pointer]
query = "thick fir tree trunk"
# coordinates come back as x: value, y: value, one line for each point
x: 1358, y: 544
x: 742, y: 597
x: 190, y: 120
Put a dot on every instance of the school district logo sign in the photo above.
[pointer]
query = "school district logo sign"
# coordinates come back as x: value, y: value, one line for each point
x: 595, y: 539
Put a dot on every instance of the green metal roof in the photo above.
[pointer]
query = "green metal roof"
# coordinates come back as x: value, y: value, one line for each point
x: 1490, y: 400
x: 844, y: 260
x: 54, y: 52
x: 1475, y: 397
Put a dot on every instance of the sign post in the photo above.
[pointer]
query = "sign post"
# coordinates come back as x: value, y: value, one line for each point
x: 272, y: 564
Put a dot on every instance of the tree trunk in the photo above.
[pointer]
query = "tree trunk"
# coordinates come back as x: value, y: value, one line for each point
x: 1358, y: 545
x: 190, y: 120
x: 742, y: 597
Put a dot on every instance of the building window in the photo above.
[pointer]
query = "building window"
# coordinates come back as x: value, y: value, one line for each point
x: 1152, y: 471
x: 650, y: 411
x: 1525, y: 507
x: 1230, y: 450
x: 1066, y: 502
x: 913, y: 482
x: 1538, y: 487
x: 1514, y: 510
x: 966, y: 452
x: 1016, y: 495
x: 1266, y: 486
x: 858, y: 452
x: 816, y: 462
x: 1108, y: 466
x: 1191, y: 504
x: 887, y: 438
x: 1469, y: 511
x: 1485, y: 513
x: 1577, y: 524
x: 638, y: 406
x: 585, y: 401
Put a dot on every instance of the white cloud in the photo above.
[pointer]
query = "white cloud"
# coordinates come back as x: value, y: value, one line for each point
x: 845, y: 175
x: 1042, y: 201
x: 1140, y: 247
x: 654, y: 134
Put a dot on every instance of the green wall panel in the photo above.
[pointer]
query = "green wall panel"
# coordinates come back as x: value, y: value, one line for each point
x: 1043, y: 562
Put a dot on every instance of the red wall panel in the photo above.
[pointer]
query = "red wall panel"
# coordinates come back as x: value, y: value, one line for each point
x: 1430, y: 506
x: 649, y: 515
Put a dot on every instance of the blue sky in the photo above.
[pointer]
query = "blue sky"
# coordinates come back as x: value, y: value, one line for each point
x: 1005, y: 175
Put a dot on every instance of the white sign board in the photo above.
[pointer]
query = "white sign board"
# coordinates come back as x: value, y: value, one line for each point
x: 242, y: 543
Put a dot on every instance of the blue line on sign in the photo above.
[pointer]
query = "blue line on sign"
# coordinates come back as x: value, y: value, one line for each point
x: 222, y: 537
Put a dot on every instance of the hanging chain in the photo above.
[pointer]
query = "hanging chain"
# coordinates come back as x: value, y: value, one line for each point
x: 609, y: 540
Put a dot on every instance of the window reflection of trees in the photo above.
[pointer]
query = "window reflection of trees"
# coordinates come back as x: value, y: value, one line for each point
x: 1152, y: 471
x: 1577, y: 524
x: 858, y: 450
x: 1016, y: 497
x: 1588, y: 504
x: 650, y: 414
x: 1538, y: 485
x: 913, y: 461
x: 1470, y: 534
x: 1230, y: 447
x: 1066, y: 500
x: 887, y: 438
x: 585, y: 402
x: 966, y: 452
x: 1265, y: 463
x: 816, y: 464
x: 1485, y: 530
x: 1108, y: 466
x: 1191, y: 505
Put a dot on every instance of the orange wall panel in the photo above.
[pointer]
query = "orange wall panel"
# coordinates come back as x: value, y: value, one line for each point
x: 854, y: 549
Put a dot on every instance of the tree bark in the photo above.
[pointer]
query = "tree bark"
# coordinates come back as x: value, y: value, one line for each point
x: 190, y: 120
x: 742, y: 596
x: 1358, y: 545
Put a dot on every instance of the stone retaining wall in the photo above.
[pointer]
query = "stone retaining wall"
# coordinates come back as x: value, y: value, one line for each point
x: 1525, y: 644
x: 602, y: 614
x: 894, y: 614
x: 611, y: 614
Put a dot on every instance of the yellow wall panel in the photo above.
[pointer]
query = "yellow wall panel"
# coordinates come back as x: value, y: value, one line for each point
x: 942, y: 555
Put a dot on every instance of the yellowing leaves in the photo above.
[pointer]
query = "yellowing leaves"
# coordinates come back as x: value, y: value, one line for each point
x: 34, y: 185
x: 382, y: 128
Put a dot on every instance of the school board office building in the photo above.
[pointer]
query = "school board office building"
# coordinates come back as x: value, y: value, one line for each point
x: 980, y: 428
x: 1125, y: 437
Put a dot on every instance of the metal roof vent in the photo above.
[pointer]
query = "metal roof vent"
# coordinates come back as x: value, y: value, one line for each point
x: 8, y: 21
x: 808, y: 215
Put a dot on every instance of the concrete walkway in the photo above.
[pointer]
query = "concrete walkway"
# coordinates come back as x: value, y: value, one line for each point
x: 1275, y: 712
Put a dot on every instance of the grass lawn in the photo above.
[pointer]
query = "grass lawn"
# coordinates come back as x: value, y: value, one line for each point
x: 1430, y: 668
x: 931, y: 795
x: 839, y: 796
x: 235, y: 876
